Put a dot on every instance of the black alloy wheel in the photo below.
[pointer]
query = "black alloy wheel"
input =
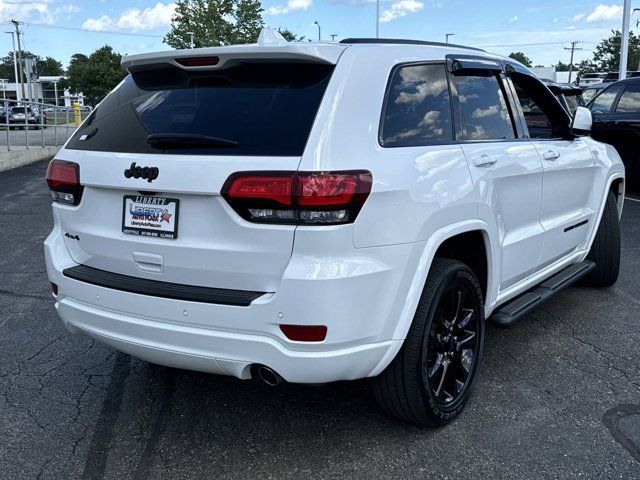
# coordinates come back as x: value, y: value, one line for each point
x: 452, y: 346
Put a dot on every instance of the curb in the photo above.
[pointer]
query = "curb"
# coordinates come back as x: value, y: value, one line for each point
x: 19, y: 158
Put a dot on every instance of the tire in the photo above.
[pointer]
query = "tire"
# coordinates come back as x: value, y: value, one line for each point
x: 406, y: 389
x: 605, y: 250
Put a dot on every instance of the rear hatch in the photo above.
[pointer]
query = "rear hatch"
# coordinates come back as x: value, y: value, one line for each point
x: 155, y: 154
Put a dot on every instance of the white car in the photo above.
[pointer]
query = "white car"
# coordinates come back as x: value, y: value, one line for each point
x: 320, y: 212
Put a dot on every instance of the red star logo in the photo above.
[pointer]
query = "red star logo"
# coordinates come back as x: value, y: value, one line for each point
x: 165, y: 216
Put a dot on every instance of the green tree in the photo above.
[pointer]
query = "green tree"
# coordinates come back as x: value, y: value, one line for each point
x: 96, y: 75
x: 289, y: 35
x: 606, y: 56
x: 562, y: 67
x: 522, y: 58
x: 215, y: 22
x: 47, y: 66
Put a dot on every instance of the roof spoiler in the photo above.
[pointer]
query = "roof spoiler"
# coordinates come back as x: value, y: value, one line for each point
x: 221, y: 57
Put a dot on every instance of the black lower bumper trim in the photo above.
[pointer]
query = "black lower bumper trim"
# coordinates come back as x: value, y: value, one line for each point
x: 154, y: 288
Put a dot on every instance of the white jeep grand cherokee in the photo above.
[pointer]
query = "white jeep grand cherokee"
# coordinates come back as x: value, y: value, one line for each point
x: 321, y: 212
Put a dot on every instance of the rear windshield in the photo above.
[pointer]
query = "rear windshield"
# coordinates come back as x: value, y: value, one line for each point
x: 252, y: 109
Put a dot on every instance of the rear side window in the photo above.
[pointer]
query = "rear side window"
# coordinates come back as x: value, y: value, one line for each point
x: 630, y: 100
x: 417, y: 109
x: 247, y: 109
x: 602, y: 103
x: 483, y: 109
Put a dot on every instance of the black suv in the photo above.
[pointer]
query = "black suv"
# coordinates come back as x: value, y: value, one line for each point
x: 616, y: 120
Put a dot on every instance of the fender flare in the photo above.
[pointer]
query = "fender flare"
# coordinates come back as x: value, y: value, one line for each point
x: 420, y: 278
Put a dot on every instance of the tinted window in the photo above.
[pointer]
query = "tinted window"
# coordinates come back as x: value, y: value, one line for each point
x: 483, y: 109
x: 589, y: 93
x: 602, y: 103
x: 630, y: 100
x: 258, y: 109
x: 417, y: 110
x: 536, y: 119
x: 574, y: 101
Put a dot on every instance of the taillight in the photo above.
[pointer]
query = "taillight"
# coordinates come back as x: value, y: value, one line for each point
x: 63, y: 179
x: 309, y: 198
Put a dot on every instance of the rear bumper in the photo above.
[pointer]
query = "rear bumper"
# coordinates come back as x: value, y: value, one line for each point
x: 359, y: 302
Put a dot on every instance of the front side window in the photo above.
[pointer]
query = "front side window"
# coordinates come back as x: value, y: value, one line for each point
x: 603, y: 102
x: 630, y: 100
x: 417, y: 109
x: 543, y: 113
x: 483, y: 109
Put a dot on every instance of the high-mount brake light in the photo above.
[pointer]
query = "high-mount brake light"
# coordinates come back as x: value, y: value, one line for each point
x: 198, y: 61
x: 303, y: 198
x: 63, y: 179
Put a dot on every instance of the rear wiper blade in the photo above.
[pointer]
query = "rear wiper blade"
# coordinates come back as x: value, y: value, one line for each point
x: 167, y: 141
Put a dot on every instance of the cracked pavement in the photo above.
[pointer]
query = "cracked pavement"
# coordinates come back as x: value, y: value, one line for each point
x: 558, y: 395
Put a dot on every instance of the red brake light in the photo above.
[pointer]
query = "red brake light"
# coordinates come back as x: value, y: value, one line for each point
x: 63, y: 179
x: 298, y: 197
x: 305, y: 333
x: 272, y: 187
x: 198, y: 61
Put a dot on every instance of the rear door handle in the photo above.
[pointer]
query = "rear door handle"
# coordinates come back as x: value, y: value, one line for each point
x: 550, y: 155
x: 484, y: 160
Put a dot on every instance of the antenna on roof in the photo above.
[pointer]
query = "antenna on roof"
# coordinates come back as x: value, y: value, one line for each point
x: 270, y: 35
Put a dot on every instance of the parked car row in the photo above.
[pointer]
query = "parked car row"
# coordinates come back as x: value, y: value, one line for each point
x: 616, y: 121
x: 21, y: 116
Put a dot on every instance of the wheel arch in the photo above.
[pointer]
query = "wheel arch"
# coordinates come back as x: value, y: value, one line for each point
x: 439, y: 241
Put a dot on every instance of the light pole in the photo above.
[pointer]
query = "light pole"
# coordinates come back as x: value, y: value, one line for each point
x: 624, y: 45
x: 637, y: 25
x: 191, y: 34
x: 446, y: 37
x: 15, y: 64
x: 319, y: 37
x: 377, y: 18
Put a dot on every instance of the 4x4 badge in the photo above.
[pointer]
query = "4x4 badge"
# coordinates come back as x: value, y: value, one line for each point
x: 150, y: 173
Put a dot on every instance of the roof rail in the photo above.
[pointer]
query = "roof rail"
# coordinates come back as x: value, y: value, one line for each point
x: 404, y: 41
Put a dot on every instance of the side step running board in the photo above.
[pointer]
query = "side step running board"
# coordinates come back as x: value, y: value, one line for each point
x: 508, y: 314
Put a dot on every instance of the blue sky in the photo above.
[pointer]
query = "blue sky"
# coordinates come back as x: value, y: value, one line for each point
x: 541, y: 29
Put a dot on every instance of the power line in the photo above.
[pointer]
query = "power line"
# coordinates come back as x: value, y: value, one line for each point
x: 79, y: 29
x: 572, y: 48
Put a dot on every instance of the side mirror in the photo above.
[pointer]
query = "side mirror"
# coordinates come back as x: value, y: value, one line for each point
x: 582, y: 121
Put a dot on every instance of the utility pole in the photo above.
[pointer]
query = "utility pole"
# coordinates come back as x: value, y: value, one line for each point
x: 624, y: 45
x: 572, y: 48
x: 446, y: 37
x: 20, y: 67
x: 15, y: 63
x: 377, y: 18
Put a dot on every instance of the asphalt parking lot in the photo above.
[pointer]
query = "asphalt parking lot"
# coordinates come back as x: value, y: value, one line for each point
x: 558, y: 395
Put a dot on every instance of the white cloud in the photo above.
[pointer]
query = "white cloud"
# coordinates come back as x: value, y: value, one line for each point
x: 134, y: 19
x: 400, y: 8
x: 605, y: 12
x: 513, y: 19
x: 601, y: 13
x: 35, y: 11
x: 289, y: 7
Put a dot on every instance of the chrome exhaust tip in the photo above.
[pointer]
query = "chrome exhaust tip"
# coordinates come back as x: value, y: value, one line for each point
x: 266, y: 375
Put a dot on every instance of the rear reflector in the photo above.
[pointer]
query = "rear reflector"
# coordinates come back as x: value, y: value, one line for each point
x: 321, y: 198
x: 198, y: 61
x: 305, y: 333
x: 63, y: 179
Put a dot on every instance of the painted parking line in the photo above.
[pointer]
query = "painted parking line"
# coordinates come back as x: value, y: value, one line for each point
x: 632, y: 199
